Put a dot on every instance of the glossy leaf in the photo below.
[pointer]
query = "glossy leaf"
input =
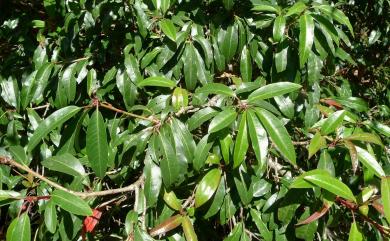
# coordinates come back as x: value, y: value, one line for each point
x: 170, y: 167
x: 152, y: 184
x: 71, y: 203
x: 306, y: 38
x: 54, y: 120
x: 355, y: 233
x: 200, y: 117
x: 51, y: 217
x: 222, y: 120
x: 271, y: 90
x: 157, y: 81
x: 279, y: 27
x: 65, y: 163
x: 332, y: 185
x: 332, y: 122
x: 19, y: 229
x: 297, y: 8
x: 168, y: 28
x: 246, y: 65
x: 369, y: 161
x: 97, y: 146
x: 207, y: 187
x: 242, y: 142
x: 316, y: 144
x: 166, y: 226
x: 188, y: 229
x: 385, y: 192
x: 365, y: 137
x: 278, y: 134
x: 258, y: 137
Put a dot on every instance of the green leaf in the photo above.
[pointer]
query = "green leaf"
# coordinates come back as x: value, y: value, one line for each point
x: 279, y: 27
x: 179, y: 98
x: 228, y: 4
x: 168, y: 28
x: 65, y: 163
x: 316, y: 144
x: 326, y: 162
x: 172, y: 201
x: 241, y: 144
x: 184, y: 141
x: 215, y: 88
x: 281, y: 58
x: 297, y: 8
x: 261, y: 226
x: 258, y: 137
x: 157, y: 81
x: 365, y: 137
x: 229, y: 42
x: 369, y: 161
x: 42, y: 79
x: 152, y: 184
x: 217, y: 199
x: 201, y: 152
x: 336, y: 14
x: 265, y: 8
x: 19, y: 229
x: 18, y: 154
x: 190, y: 70
x: 385, y: 192
x: 300, y: 182
x: 332, y: 185
x: 200, y: 117
x: 332, y: 122
x: 71, y: 203
x: 8, y: 194
x: 170, y: 167
x: 306, y: 38
x: 188, y: 228
x: 246, y: 65
x: 97, y: 146
x: 222, y: 120
x: 278, y: 134
x: 51, y: 122
x: 355, y: 233
x: 51, y: 217
x: 271, y: 90
x: 207, y: 187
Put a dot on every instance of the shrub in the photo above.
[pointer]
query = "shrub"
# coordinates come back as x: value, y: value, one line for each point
x: 191, y: 120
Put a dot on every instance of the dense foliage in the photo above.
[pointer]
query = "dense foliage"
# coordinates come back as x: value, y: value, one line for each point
x: 194, y: 120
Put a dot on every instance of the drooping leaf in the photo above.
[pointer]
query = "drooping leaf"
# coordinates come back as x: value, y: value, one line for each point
x: 242, y: 143
x: 51, y: 122
x: 278, y: 134
x: 207, y: 187
x: 306, y: 37
x: 97, y: 146
x: 71, y: 203
x: 261, y: 226
x: 271, y: 90
x: 336, y: 14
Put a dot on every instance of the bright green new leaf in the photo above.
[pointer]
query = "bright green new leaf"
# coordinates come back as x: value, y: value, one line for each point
x: 332, y: 122
x: 97, y: 146
x: 222, y: 120
x: 278, y: 134
x: 242, y: 143
x: 51, y: 122
x: 271, y: 90
x: 157, y: 81
x: 207, y: 187
x: 355, y: 233
x: 306, y: 38
x: 332, y: 185
x: 172, y: 201
x: 65, y: 163
x: 385, y: 192
x: 215, y: 88
x: 168, y: 28
x: 316, y: 144
x: 188, y: 228
x: 71, y: 203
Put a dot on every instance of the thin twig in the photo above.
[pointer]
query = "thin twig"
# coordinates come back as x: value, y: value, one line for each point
x: 71, y: 61
x: 129, y: 188
x: 110, y: 107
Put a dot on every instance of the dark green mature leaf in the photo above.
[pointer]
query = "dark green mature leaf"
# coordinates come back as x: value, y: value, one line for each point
x: 207, y: 187
x: 306, y: 38
x: 246, y: 65
x: 201, y: 152
x: 200, y: 117
x: 261, y: 226
x: 271, y: 90
x: 265, y: 8
x: 217, y: 199
x: 278, y: 134
x: 168, y: 28
x: 157, y: 81
x: 71, y: 203
x: 332, y: 122
x: 215, y: 88
x: 222, y: 120
x: 336, y: 14
x: 258, y: 138
x: 242, y: 142
x: 170, y: 167
x: 152, y: 184
x: 19, y: 229
x: 190, y: 69
x: 65, y: 163
x: 228, y: 4
x: 51, y: 122
x: 297, y: 8
x: 51, y: 217
x: 97, y: 146
x: 229, y: 42
x: 332, y: 185
x: 281, y: 58
x: 385, y: 192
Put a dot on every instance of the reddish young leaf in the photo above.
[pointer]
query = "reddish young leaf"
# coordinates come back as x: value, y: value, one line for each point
x: 315, y: 215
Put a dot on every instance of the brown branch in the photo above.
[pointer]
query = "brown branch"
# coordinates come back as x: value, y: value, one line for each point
x: 110, y: 107
x: 129, y: 188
